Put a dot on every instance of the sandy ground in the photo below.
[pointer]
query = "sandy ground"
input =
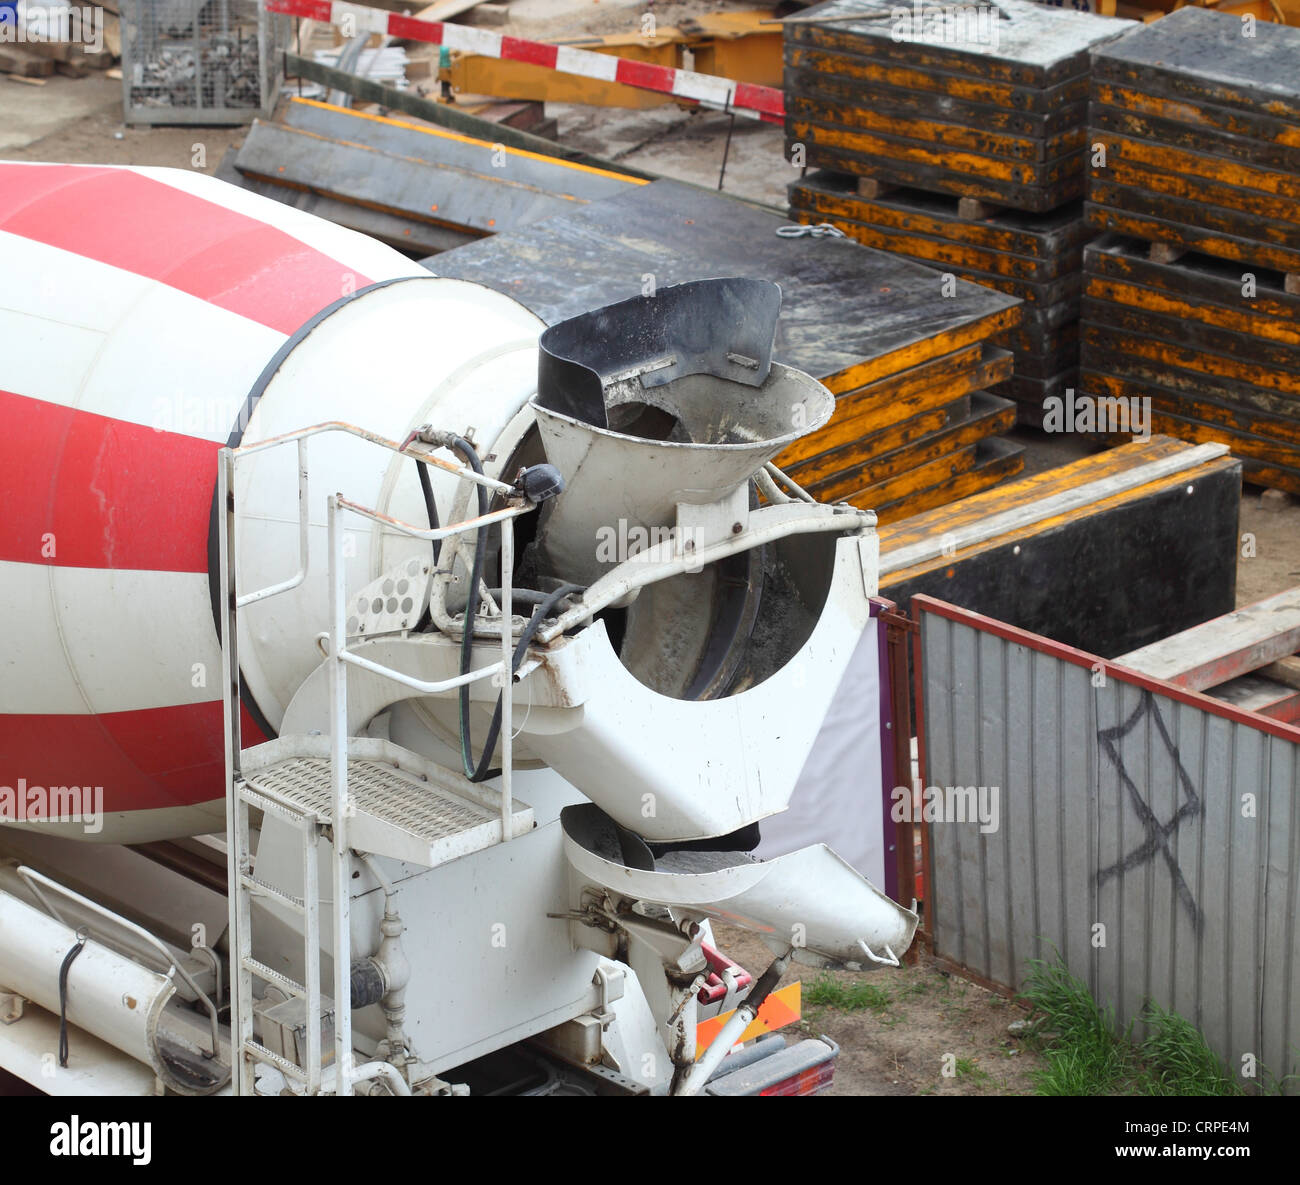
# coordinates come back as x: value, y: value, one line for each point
x: 937, y: 1035
x: 1275, y: 528
x: 79, y: 120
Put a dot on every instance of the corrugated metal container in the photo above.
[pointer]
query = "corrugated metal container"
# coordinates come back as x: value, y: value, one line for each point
x: 1169, y: 819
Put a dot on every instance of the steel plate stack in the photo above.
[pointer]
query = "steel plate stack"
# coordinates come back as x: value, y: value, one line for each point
x: 1201, y: 127
x: 1199, y: 310
x: 420, y: 189
x: 959, y: 141
x: 1216, y: 364
x: 1036, y: 257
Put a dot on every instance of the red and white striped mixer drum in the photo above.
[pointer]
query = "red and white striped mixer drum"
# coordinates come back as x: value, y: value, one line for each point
x: 147, y: 317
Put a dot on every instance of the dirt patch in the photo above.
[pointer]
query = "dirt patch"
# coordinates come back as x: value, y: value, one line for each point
x: 1268, y: 553
x: 920, y: 1031
x: 100, y: 138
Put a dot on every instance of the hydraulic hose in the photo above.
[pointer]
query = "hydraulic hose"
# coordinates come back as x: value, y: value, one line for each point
x: 466, y: 450
x: 480, y: 771
x: 541, y: 613
x: 431, y: 507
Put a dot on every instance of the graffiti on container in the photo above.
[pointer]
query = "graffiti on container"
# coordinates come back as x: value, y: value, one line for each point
x: 1158, y: 834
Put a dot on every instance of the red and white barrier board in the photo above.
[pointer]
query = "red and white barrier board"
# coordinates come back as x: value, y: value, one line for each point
x: 722, y: 94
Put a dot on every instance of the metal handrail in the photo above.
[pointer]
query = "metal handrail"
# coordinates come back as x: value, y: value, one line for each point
x: 304, y: 523
x: 241, y: 1036
x: 300, y: 436
x: 461, y: 528
x: 435, y: 688
x: 31, y: 878
x: 343, y: 426
x: 503, y: 668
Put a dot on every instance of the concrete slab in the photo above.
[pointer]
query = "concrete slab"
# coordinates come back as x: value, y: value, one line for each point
x: 30, y: 113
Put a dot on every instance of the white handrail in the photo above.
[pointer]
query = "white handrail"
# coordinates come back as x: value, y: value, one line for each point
x: 435, y: 688
x: 346, y: 1073
x: 300, y: 436
x: 263, y: 594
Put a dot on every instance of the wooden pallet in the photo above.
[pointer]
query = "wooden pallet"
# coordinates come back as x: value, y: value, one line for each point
x: 1201, y: 127
x: 997, y: 118
x: 23, y: 61
x: 1002, y: 241
x: 1033, y: 256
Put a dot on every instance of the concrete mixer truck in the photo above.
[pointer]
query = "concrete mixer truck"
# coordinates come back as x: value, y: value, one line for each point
x: 395, y: 691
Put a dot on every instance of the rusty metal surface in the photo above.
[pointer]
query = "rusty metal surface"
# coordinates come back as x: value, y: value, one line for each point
x: 1150, y: 838
x: 423, y: 175
x: 1199, y: 119
x: 972, y: 102
x: 1214, y: 365
x: 1203, y: 55
x: 842, y: 304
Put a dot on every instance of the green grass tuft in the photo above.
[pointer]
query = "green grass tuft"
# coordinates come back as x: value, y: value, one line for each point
x: 1085, y: 1054
x: 1178, y: 1062
x: 850, y: 997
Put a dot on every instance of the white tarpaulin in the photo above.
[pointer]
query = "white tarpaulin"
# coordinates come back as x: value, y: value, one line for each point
x: 838, y: 797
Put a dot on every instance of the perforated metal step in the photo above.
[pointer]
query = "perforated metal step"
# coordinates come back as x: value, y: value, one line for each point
x: 406, y: 807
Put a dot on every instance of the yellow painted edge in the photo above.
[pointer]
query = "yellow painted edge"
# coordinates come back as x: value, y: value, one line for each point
x: 522, y: 152
x: 893, y: 579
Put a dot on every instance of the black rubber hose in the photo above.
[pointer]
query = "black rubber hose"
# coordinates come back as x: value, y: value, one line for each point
x: 431, y: 507
x: 466, y: 450
x: 540, y: 614
x: 66, y: 966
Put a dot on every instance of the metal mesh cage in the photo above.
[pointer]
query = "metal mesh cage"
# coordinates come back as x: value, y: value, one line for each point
x: 200, y: 61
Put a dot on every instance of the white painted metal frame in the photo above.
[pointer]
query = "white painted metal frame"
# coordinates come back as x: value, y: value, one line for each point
x: 240, y: 796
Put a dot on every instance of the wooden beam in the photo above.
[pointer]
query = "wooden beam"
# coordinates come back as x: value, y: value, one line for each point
x: 24, y: 62
x: 1255, y: 693
x: 1044, y: 508
x: 1285, y: 670
x: 1226, y: 648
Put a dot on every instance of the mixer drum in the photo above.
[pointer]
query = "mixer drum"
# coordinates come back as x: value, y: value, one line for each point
x: 147, y: 317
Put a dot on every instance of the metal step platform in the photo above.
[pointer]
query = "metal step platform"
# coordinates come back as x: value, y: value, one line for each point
x: 406, y: 808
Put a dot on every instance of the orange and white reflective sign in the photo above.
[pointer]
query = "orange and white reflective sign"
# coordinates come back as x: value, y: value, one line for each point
x: 779, y: 1009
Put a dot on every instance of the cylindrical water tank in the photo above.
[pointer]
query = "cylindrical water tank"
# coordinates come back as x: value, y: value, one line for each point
x: 148, y: 316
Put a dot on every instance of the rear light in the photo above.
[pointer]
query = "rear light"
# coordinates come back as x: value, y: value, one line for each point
x: 807, y: 1067
x: 811, y: 1081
